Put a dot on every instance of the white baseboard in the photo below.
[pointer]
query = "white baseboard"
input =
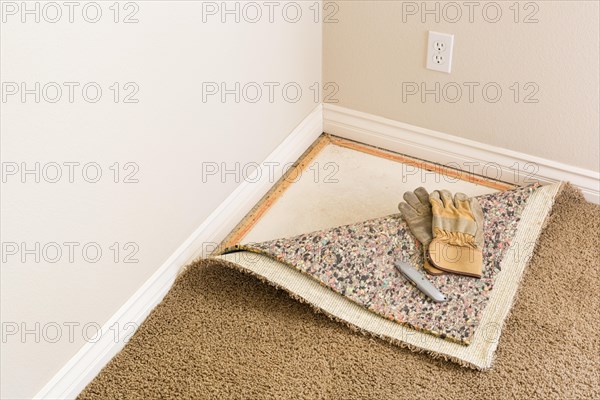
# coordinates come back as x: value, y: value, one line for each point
x: 452, y: 151
x: 90, y: 359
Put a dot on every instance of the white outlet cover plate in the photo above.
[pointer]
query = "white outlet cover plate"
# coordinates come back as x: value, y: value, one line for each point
x: 439, y: 51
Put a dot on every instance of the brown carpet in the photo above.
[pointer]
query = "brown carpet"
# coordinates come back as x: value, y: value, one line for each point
x: 220, y: 334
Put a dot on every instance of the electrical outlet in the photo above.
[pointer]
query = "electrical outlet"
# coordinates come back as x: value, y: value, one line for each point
x: 439, y: 46
x: 438, y: 59
x: 439, y: 51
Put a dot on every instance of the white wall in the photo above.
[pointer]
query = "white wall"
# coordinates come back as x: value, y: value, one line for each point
x: 376, y: 52
x: 168, y: 134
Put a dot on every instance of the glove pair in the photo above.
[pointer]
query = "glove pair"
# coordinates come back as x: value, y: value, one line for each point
x: 450, y: 230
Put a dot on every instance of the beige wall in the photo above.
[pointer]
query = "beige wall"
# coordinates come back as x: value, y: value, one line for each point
x: 376, y: 50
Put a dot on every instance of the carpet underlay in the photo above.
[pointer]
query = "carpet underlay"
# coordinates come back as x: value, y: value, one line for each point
x: 348, y: 272
x: 356, y: 261
x: 221, y: 334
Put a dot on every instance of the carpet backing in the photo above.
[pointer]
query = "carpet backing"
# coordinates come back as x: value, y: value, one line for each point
x: 222, y: 334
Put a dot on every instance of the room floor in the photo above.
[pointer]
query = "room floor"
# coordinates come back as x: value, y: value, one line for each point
x: 222, y: 334
x: 339, y: 182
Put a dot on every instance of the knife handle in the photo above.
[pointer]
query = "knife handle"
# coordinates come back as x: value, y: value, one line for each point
x: 420, y: 282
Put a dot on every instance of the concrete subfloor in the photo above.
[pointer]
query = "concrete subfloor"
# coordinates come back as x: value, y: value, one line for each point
x: 341, y: 186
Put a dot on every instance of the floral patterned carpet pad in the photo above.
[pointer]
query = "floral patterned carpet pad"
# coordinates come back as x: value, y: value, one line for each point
x: 357, y: 261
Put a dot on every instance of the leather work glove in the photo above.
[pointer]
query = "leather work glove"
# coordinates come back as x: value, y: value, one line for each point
x: 457, y: 226
x: 417, y: 214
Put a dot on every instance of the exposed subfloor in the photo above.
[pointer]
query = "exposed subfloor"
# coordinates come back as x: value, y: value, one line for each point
x: 341, y: 182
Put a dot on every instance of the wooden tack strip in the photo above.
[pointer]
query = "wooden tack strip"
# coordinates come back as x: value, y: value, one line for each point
x: 248, y: 222
x: 275, y: 192
x: 429, y: 166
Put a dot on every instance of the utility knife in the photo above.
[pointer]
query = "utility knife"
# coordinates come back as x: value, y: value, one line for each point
x: 420, y: 282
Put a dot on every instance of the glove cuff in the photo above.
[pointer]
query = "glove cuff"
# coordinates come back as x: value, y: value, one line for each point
x: 462, y: 260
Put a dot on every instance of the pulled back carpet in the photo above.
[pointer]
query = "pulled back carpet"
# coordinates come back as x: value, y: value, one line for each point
x: 221, y: 334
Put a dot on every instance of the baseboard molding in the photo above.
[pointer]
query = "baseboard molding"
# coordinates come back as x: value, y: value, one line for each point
x: 455, y: 152
x: 92, y: 357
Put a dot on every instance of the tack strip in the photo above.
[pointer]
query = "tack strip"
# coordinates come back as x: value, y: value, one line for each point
x: 426, y: 165
x: 250, y: 220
